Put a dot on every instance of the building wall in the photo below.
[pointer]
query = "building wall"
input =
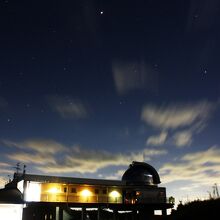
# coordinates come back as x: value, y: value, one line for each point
x: 11, y: 212
x: 56, y: 192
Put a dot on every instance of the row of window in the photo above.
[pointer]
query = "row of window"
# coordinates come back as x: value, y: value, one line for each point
x: 96, y: 191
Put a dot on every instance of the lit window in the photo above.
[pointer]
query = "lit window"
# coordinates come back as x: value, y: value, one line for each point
x: 65, y: 189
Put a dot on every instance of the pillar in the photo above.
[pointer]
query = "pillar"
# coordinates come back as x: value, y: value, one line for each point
x: 83, y: 213
x: 98, y: 213
x: 164, y: 212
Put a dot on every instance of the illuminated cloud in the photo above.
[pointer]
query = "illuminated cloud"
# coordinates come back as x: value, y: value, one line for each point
x: 5, y: 168
x: 30, y: 158
x: 3, y: 181
x: 114, y: 176
x: 176, y: 115
x: 201, y: 168
x: 38, y: 145
x: 90, y: 161
x: 157, y: 140
x: 67, y: 107
x: 182, y: 138
x: 49, y: 156
x: 133, y: 75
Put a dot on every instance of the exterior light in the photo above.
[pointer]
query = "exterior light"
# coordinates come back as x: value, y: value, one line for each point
x: 114, y: 194
x: 53, y: 190
x: 138, y: 193
x: 85, y: 193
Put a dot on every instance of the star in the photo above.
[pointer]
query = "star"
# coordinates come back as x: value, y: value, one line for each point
x: 101, y: 12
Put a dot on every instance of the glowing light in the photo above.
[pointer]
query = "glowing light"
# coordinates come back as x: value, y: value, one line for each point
x: 53, y: 190
x: 114, y: 194
x: 85, y: 193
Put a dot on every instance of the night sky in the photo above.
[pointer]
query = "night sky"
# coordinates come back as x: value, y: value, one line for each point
x: 88, y: 86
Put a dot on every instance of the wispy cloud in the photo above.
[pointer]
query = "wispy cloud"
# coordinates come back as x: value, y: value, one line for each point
x: 133, y: 75
x: 157, y: 140
x: 176, y: 115
x: 201, y: 168
x: 3, y: 181
x: 57, y: 158
x: 183, y: 120
x: 30, y: 158
x: 90, y: 161
x: 182, y: 138
x: 38, y: 145
x: 5, y: 168
x: 68, y: 107
x: 114, y: 176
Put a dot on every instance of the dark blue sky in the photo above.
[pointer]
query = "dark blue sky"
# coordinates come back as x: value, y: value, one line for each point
x: 87, y: 86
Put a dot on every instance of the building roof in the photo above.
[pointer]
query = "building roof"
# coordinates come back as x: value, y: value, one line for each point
x: 140, y: 173
x: 11, y: 195
x: 71, y: 180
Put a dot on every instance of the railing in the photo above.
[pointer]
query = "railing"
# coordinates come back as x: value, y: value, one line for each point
x: 79, y: 199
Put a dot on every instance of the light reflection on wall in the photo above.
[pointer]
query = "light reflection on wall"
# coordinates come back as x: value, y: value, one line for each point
x: 33, y: 192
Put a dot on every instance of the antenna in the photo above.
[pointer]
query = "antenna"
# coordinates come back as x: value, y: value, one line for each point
x: 24, y: 169
x: 17, y: 168
x: 216, y: 190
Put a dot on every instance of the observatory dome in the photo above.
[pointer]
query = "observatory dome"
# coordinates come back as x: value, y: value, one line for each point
x: 140, y: 173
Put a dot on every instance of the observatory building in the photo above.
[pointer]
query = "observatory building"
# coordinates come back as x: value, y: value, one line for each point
x: 39, y: 197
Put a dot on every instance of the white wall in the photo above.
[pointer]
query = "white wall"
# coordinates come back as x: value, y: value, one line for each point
x: 11, y: 212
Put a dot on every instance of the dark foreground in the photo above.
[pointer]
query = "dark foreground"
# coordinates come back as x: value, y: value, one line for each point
x: 208, y: 209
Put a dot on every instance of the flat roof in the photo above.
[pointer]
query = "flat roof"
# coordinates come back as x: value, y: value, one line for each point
x: 71, y: 180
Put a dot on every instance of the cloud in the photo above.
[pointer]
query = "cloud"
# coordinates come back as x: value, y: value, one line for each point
x: 68, y: 108
x: 157, y: 140
x: 3, y: 181
x: 114, y: 176
x: 177, y: 115
x: 35, y: 151
x: 90, y: 161
x: 38, y: 145
x: 30, y: 158
x: 5, y: 168
x: 201, y: 168
x: 182, y: 138
x: 134, y: 75
x: 52, y: 157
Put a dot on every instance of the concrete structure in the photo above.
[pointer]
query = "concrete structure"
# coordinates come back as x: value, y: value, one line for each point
x: 63, y: 198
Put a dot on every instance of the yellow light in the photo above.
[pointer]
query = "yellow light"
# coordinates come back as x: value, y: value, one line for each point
x: 53, y: 190
x: 85, y: 193
x: 114, y: 194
